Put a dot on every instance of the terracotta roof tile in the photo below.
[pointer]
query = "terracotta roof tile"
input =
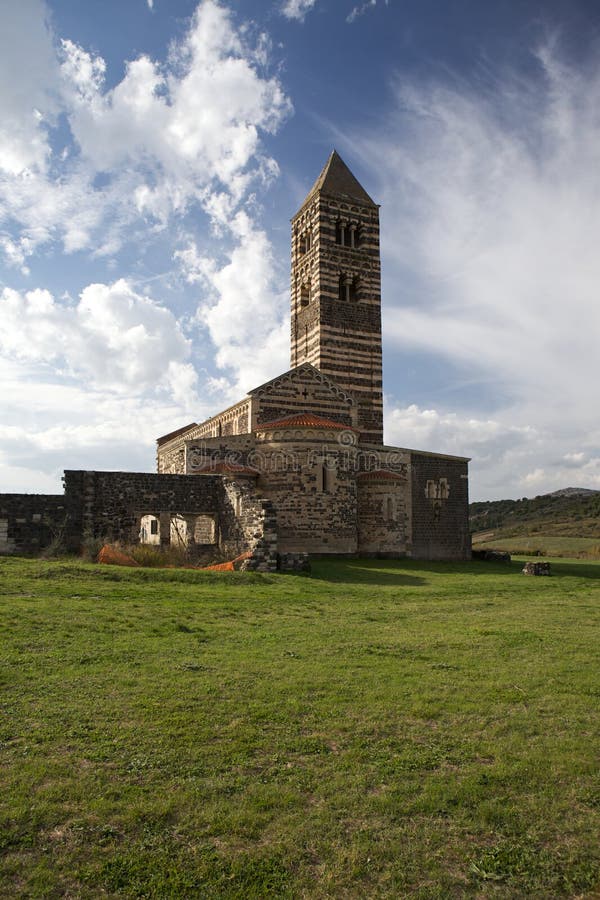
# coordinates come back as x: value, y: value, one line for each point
x: 303, y: 420
x: 380, y: 475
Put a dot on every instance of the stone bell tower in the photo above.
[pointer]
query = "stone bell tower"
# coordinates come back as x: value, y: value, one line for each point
x: 336, y: 290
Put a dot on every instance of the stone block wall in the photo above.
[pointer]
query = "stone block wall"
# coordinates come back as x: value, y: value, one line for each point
x: 30, y: 522
x: 300, y: 390
x: 170, y: 460
x: 110, y: 505
x: 383, y: 516
x: 440, y: 507
x: 247, y: 521
x: 313, y: 494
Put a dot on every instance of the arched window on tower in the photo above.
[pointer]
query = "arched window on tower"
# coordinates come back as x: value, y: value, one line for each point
x: 305, y: 293
x: 340, y: 233
x: 348, y: 288
x: 305, y: 241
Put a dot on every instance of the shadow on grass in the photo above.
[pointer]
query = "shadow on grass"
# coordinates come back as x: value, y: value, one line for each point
x: 411, y: 572
x: 369, y: 571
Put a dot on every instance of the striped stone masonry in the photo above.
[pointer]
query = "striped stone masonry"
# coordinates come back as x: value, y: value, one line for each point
x: 336, y: 291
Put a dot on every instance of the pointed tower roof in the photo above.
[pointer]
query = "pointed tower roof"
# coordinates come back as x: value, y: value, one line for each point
x: 337, y: 180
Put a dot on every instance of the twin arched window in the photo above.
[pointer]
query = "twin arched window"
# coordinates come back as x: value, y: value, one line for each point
x: 347, y: 234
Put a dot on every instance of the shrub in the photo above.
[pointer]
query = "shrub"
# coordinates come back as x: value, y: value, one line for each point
x: 91, y: 546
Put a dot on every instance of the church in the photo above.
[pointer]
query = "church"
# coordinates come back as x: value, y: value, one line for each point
x: 311, y: 440
x: 297, y: 467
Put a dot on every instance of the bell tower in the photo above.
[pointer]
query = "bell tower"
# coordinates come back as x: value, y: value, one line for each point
x: 336, y: 290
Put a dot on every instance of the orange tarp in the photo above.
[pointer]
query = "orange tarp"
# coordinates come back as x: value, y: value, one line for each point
x: 113, y: 557
x: 230, y: 566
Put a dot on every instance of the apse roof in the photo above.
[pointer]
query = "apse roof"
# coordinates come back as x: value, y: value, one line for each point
x: 303, y: 420
x: 381, y: 475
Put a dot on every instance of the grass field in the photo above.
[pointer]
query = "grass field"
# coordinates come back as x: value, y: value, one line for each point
x: 379, y: 729
x: 539, y: 542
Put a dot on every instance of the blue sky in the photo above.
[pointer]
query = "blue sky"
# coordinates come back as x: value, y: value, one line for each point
x: 152, y: 154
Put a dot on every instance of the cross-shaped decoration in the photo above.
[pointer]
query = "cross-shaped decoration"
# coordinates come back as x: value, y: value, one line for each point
x: 305, y: 393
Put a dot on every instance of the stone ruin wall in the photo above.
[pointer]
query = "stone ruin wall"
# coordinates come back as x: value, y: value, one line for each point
x: 30, y: 522
x: 110, y: 505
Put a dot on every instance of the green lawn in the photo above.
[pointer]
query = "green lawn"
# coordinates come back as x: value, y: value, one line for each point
x: 538, y: 542
x: 380, y: 729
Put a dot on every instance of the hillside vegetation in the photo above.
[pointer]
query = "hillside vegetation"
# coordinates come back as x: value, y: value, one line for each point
x: 379, y: 729
x: 564, y: 523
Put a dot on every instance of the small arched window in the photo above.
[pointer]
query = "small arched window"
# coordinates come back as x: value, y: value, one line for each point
x: 353, y: 290
x: 305, y: 293
x: 305, y: 241
x: 340, y: 233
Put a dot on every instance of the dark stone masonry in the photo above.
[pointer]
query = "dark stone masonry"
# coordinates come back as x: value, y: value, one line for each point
x: 298, y: 466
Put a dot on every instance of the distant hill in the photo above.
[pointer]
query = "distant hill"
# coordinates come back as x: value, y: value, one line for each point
x: 566, y: 520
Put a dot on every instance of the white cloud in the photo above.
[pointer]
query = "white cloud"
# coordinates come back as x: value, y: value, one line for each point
x: 49, y: 424
x: 28, y: 87
x: 490, y: 231
x: 164, y: 139
x: 296, y: 9
x: 93, y: 166
x: 244, y: 313
x: 120, y: 340
x: 505, y: 456
x: 360, y: 10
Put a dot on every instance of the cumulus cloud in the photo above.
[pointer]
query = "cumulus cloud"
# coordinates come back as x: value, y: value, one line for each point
x: 501, y: 451
x: 87, y: 165
x: 490, y: 228
x: 296, y: 9
x: 50, y: 422
x: 245, y: 314
x: 119, y: 339
x: 165, y: 138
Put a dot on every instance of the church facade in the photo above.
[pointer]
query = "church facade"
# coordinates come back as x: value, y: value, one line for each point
x: 310, y: 441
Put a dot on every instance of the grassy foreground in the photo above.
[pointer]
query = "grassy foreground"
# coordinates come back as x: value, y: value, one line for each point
x: 380, y: 729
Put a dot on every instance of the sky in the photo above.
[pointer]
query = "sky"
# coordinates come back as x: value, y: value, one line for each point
x: 152, y: 153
